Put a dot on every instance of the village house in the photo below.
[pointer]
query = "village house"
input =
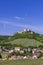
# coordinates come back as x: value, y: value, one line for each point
x: 34, y: 57
x: 11, y: 51
x: 15, y: 57
x: 21, y: 51
x: 17, y: 49
x: 4, y: 51
x: 19, y: 57
x: 34, y: 51
x: 25, y: 57
x: 41, y: 51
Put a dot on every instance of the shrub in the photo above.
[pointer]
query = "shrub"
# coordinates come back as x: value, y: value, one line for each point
x: 0, y: 55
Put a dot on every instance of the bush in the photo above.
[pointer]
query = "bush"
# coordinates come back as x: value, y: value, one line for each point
x: 0, y: 55
x: 17, y: 53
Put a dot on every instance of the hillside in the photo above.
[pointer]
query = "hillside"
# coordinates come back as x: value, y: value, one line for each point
x: 27, y: 34
x: 26, y: 42
x: 25, y: 38
x: 3, y: 38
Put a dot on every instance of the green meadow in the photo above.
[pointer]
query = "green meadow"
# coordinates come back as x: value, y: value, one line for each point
x: 26, y: 42
x: 23, y: 62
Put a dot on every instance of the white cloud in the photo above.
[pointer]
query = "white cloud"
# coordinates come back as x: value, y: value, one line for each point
x: 18, y: 18
x: 12, y: 24
x: 34, y: 28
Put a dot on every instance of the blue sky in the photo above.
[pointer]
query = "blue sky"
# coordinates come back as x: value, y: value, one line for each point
x: 16, y: 15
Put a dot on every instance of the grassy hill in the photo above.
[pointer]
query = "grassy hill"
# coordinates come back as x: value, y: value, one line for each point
x: 27, y: 34
x: 25, y: 38
x: 26, y: 42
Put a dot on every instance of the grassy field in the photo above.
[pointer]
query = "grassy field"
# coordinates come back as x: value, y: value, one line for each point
x: 26, y: 42
x: 23, y: 62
